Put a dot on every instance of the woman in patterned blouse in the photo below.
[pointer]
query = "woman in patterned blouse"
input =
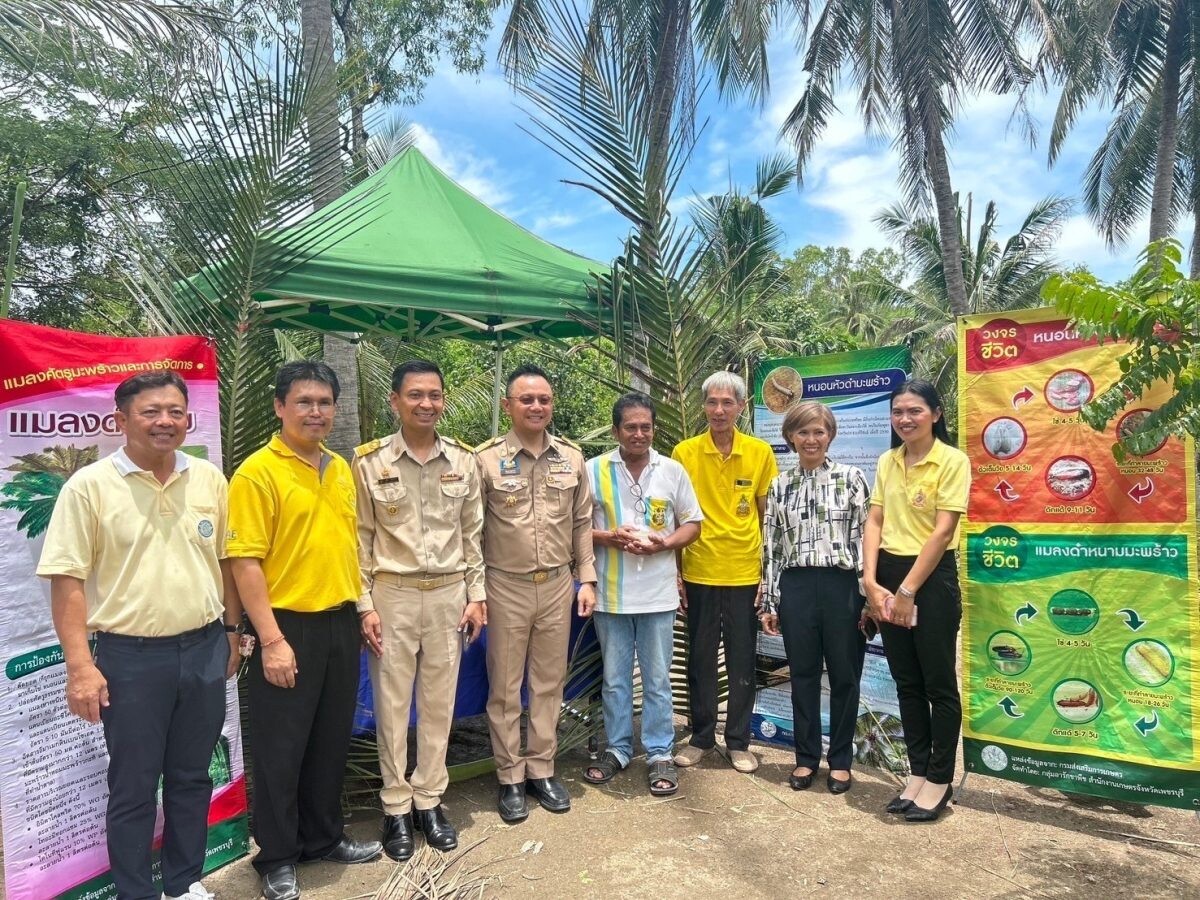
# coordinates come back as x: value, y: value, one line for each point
x: 812, y: 560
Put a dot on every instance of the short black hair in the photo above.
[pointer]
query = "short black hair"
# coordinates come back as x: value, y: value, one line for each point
x: 147, y: 381
x: 523, y: 371
x: 927, y: 392
x: 415, y: 367
x: 305, y: 370
x: 632, y: 400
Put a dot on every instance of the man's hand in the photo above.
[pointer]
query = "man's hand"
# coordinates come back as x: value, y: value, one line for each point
x: 372, y: 631
x: 682, y: 594
x: 87, y: 692
x: 635, y: 540
x: 587, y: 599
x: 770, y: 623
x: 474, y: 619
x: 279, y: 665
x: 235, y: 655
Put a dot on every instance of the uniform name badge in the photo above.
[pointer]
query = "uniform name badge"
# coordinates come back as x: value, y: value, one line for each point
x: 560, y: 467
x: 510, y: 466
x: 658, y: 514
x: 743, y: 507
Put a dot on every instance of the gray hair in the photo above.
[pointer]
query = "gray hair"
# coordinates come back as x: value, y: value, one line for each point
x: 729, y: 381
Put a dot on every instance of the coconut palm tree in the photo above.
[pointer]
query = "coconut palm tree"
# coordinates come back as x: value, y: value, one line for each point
x: 664, y: 45
x: 1143, y: 57
x: 996, y: 277
x: 40, y: 477
x: 912, y: 64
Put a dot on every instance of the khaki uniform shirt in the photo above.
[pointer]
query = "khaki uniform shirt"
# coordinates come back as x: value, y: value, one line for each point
x: 539, y: 508
x: 418, y: 519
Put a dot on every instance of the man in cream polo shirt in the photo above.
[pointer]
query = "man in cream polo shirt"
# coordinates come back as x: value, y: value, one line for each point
x: 134, y: 553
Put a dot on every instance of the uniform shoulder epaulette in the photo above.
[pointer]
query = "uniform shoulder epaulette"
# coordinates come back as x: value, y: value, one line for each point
x: 455, y: 442
x: 490, y: 442
x: 567, y: 441
x: 368, y: 447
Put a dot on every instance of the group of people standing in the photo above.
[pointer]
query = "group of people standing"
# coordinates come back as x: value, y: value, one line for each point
x: 421, y: 543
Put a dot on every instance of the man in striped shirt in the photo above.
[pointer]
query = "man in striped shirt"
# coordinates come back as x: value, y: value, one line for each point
x: 644, y: 510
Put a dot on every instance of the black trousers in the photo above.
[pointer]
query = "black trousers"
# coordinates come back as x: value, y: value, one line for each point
x: 715, y: 613
x: 921, y: 661
x: 300, y: 738
x: 819, y: 609
x: 165, y: 713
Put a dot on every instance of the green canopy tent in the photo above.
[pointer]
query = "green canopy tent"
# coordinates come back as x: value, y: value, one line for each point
x: 425, y: 259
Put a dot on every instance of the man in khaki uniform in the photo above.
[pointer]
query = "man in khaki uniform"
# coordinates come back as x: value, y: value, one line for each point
x: 538, y: 525
x: 419, y: 524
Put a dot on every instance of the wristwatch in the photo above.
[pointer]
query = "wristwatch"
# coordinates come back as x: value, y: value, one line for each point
x: 239, y: 628
x: 905, y: 592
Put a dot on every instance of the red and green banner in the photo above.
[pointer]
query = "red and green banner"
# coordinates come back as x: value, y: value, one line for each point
x: 56, y: 416
x: 1081, y: 627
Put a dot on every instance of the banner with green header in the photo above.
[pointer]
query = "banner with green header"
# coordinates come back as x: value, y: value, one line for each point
x: 1080, y: 618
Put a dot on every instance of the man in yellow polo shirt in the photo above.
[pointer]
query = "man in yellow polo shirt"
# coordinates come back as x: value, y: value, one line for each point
x: 731, y: 473
x: 293, y: 545
x: 133, y: 553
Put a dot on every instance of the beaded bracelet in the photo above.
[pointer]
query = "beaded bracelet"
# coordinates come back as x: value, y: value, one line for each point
x: 271, y: 643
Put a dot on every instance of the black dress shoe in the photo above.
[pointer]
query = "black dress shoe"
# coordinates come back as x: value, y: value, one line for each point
x: 280, y: 884
x: 512, y: 803
x: 918, y: 814
x: 838, y: 787
x: 898, y: 805
x: 350, y: 852
x: 398, y: 836
x: 550, y: 793
x: 801, y: 782
x: 439, y: 834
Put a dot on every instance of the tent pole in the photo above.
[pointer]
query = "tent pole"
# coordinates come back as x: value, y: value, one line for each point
x: 497, y: 386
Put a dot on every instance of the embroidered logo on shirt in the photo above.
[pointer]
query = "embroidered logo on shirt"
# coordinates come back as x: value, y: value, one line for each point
x: 918, y: 500
x: 743, y: 507
x: 205, y: 528
x: 658, y: 514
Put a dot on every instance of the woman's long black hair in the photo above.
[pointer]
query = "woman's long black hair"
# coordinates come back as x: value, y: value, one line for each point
x: 927, y: 392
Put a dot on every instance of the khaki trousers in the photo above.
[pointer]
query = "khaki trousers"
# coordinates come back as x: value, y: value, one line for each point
x: 529, y: 626
x: 420, y: 640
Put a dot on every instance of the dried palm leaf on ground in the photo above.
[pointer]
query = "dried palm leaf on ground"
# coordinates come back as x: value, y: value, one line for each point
x: 431, y: 875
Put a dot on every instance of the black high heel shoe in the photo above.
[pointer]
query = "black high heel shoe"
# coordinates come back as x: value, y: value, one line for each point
x: 917, y: 814
x: 899, y: 805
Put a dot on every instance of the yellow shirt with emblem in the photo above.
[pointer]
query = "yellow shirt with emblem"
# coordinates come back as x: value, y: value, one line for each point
x: 537, y: 509
x: 729, y: 549
x: 911, y: 497
x: 416, y: 518
x: 300, y: 523
x: 148, y: 553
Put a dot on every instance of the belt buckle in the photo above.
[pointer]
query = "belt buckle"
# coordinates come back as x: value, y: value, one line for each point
x: 426, y: 584
x: 541, y: 576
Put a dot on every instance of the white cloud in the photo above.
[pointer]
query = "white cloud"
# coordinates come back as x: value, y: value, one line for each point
x: 476, y: 174
x: 553, y: 222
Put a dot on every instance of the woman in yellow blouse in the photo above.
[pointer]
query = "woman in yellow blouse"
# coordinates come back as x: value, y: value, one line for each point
x: 921, y: 489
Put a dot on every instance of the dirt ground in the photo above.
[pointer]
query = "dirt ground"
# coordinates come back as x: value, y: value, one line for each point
x: 726, y: 834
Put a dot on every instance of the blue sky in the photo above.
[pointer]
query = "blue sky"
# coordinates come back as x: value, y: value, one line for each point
x: 471, y: 126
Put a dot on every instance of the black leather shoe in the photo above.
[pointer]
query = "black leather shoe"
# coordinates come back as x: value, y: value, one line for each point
x: 550, y: 793
x: 898, y: 805
x: 398, y: 836
x: 838, y: 787
x: 439, y: 834
x: 280, y: 884
x: 801, y: 782
x: 512, y: 803
x: 350, y: 852
x: 919, y: 814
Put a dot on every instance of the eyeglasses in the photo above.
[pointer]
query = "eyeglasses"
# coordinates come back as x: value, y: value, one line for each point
x: 639, y: 502
x: 325, y: 407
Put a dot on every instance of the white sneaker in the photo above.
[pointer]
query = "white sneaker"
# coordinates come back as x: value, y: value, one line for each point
x: 196, y: 891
